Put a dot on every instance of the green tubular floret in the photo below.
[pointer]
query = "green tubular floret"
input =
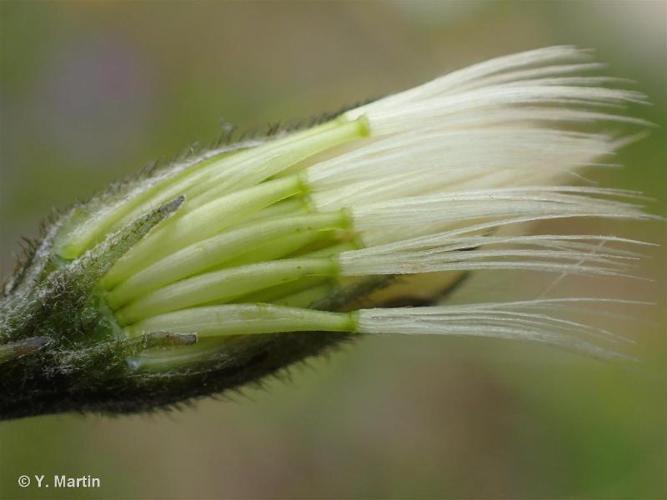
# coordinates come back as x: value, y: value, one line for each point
x: 202, y: 223
x: 278, y: 247
x: 292, y: 153
x: 224, y: 286
x: 280, y: 293
x: 210, y: 179
x: 165, y: 359
x: 245, y: 319
x: 298, y: 293
x: 305, y: 297
x: 216, y: 251
x: 296, y: 205
x: 75, y: 240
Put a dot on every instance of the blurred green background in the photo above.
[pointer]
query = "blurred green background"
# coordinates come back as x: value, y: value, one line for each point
x: 90, y: 91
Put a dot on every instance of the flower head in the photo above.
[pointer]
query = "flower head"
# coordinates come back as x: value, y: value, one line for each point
x: 267, y: 250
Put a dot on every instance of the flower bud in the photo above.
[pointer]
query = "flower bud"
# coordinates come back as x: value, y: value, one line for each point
x: 218, y: 271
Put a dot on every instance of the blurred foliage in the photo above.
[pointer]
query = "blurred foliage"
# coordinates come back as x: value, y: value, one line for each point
x: 92, y: 91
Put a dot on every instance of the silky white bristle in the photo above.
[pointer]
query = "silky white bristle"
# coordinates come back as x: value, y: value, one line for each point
x: 387, y: 221
x: 442, y: 161
x: 524, y: 320
x: 540, y: 77
x: 462, y: 78
x: 572, y: 254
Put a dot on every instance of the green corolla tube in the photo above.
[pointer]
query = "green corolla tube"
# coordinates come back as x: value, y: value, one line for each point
x: 215, y: 272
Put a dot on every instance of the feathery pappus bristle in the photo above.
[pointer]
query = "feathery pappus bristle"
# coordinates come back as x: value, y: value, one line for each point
x: 531, y: 320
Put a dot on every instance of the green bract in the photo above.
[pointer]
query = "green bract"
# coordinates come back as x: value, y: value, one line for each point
x: 217, y: 231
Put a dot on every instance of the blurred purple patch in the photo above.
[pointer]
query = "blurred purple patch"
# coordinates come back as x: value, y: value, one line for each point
x: 96, y: 97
